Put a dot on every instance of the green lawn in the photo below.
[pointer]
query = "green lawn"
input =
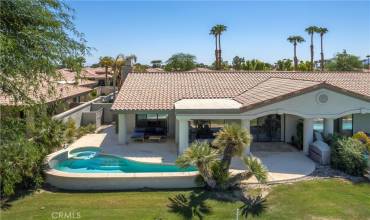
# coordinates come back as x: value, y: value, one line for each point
x: 324, y: 199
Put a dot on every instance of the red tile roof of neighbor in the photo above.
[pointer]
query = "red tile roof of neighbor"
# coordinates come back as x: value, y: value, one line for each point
x: 70, y: 77
x: 95, y: 73
x: 159, y: 91
x: 61, y: 91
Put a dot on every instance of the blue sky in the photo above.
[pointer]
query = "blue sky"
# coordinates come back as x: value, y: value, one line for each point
x: 157, y: 29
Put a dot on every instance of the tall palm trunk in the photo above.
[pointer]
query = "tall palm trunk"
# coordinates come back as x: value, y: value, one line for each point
x: 322, y: 53
x: 106, y: 75
x: 311, y: 47
x: 216, y: 52
x: 295, y: 57
x: 219, y: 51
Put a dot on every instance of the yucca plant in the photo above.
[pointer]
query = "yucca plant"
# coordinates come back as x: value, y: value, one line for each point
x: 202, y: 156
x: 232, y: 141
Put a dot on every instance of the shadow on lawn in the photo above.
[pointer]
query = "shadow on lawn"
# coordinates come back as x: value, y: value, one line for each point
x: 194, y: 205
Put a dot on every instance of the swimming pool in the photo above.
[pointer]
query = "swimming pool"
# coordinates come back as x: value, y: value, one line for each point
x: 91, y: 160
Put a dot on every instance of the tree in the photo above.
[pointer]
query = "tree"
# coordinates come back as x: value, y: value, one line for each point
x: 106, y: 62
x: 344, y: 62
x: 304, y: 66
x: 214, y: 33
x: 232, y: 141
x: 199, y: 154
x: 295, y: 40
x: 238, y: 63
x: 156, y: 63
x: 180, y: 62
x: 285, y: 65
x: 117, y: 67
x: 322, y: 31
x: 213, y: 162
x: 368, y: 61
x: 35, y: 37
x: 311, y: 30
x: 217, y: 31
x: 140, y: 68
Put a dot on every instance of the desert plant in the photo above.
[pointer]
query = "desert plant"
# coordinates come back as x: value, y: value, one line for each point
x: 199, y: 154
x: 361, y: 136
x: 71, y: 130
x: 347, y: 154
x: 232, y: 141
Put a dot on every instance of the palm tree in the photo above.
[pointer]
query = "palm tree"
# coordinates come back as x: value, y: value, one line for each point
x: 232, y: 141
x: 311, y: 30
x: 106, y: 62
x: 214, y: 33
x: 295, y: 40
x: 117, y: 66
x: 202, y: 156
x: 217, y: 30
x: 322, y: 31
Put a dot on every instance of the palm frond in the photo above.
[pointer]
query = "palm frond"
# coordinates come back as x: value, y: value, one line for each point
x: 256, y: 168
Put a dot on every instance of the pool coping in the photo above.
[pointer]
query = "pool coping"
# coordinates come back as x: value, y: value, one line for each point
x: 58, y: 173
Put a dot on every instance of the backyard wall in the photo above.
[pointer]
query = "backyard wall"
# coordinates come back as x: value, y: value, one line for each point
x: 94, y: 106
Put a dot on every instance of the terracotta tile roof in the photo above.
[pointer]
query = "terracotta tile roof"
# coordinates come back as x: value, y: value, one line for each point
x: 69, y: 77
x: 62, y: 91
x: 273, y: 88
x: 95, y: 73
x: 159, y: 91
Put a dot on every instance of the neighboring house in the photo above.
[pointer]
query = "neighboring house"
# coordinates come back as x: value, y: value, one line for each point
x: 97, y: 74
x: 65, y: 96
x: 154, y: 70
x: 188, y: 106
x: 71, y: 77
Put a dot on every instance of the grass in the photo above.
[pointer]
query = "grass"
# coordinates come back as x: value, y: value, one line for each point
x: 321, y: 199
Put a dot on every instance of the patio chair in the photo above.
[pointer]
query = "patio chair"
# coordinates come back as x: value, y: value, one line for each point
x: 138, y: 134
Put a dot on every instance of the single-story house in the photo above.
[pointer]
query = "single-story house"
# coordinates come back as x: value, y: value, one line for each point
x: 188, y: 106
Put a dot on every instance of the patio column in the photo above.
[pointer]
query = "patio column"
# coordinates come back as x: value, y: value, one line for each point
x: 183, y: 135
x: 245, y: 123
x: 122, y: 128
x: 307, y: 134
x: 176, y: 131
x: 328, y: 126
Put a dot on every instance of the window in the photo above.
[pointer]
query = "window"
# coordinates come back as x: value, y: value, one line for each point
x: 344, y: 125
x: 318, y: 124
x: 152, y: 120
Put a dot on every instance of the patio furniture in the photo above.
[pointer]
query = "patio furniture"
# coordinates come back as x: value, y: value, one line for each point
x: 155, y: 138
x: 138, y: 134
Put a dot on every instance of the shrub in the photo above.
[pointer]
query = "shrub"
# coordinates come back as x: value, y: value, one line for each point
x: 361, y: 136
x: 347, y: 154
x: 71, y: 130
x: 20, y: 165
x: 88, y: 129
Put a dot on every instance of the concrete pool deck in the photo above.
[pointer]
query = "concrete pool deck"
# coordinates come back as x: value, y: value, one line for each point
x: 283, y: 161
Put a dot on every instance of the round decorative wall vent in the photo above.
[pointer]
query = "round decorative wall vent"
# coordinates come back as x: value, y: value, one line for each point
x: 322, y: 98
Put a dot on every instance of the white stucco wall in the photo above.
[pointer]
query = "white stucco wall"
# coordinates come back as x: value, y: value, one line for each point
x: 361, y: 122
x: 291, y: 122
x: 307, y: 106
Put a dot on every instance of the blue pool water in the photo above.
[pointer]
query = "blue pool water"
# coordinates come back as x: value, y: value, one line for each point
x: 90, y: 160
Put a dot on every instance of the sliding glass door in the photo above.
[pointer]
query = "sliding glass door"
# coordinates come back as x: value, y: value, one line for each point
x: 266, y: 129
